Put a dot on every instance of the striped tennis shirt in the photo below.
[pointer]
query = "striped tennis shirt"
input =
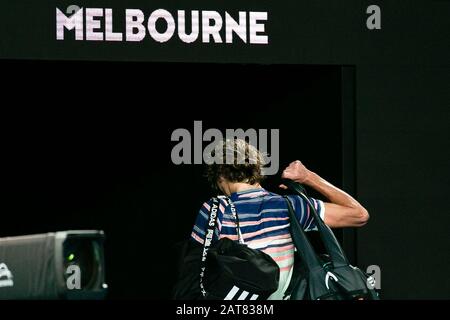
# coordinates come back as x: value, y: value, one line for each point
x: 264, y: 224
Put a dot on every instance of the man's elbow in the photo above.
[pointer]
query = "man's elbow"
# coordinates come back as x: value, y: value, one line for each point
x: 363, y: 216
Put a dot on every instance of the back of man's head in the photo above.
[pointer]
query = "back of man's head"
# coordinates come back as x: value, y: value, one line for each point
x: 236, y: 161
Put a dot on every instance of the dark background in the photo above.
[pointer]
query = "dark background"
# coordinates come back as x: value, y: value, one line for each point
x: 401, y: 102
x: 99, y: 157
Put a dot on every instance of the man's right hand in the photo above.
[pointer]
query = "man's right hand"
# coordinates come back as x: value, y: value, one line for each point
x: 341, y: 210
x: 296, y: 171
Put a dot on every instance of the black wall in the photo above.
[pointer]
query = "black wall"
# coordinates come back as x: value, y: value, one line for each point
x: 403, y: 177
x: 96, y: 154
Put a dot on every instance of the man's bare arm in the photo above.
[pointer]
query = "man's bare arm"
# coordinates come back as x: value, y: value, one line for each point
x: 342, y: 210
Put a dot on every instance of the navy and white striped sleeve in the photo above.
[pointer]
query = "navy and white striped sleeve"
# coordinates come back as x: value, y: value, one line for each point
x: 304, y: 214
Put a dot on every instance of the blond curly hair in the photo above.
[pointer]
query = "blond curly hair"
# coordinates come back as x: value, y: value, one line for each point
x: 238, y: 161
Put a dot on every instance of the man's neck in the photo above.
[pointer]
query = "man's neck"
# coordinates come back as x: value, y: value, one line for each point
x: 241, y: 186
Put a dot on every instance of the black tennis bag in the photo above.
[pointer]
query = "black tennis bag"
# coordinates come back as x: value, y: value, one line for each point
x: 227, y: 270
x: 323, y: 277
x: 236, y: 272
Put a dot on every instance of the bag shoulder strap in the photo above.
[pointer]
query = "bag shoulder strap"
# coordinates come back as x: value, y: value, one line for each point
x: 305, y: 250
x: 209, y: 235
x: 328, y: 238
x: 236, y: 218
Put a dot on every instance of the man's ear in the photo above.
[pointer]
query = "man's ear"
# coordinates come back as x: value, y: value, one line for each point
x: 223, y: 186
x: 219, y: 184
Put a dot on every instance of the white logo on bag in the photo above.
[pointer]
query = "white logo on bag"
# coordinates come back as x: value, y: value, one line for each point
x: 6, y: 277
x: 243, y: 296
x: 327, y: 278
x: 371, y: 282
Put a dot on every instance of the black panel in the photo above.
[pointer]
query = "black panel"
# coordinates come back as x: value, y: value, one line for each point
x: 88, y: 145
